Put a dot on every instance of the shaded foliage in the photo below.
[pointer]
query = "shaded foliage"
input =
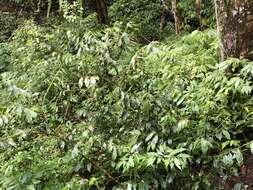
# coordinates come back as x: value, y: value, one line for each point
x: 96, y: 110
x: 88, y: 106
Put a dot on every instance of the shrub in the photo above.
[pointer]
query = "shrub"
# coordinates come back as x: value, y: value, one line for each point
x: 8, y: 23
x: 145, y: 15
x: 95, y: 110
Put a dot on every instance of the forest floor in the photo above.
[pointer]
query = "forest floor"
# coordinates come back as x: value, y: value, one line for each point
x: 5, y: 8
x: 245, y: 176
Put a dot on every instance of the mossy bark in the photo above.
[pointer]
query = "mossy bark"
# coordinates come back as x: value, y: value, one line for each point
x: 235, y: 28
x: 176, y: 16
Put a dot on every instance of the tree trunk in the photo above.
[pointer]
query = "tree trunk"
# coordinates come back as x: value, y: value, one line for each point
x: 164, y: 15
x: 102, y: 13
x: 235, y: 28
x: 176, y: 16
x: 198, y: 11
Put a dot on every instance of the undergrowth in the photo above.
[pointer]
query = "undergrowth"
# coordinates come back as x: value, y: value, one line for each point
x: 8, y: 23
x: 97, y: 110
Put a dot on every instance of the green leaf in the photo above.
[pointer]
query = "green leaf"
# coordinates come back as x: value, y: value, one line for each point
x: 251, y: 147
x: 92, y: 181
x: 131, y: 162
x: 181, y: 125
x: 135, y: 147
x: 228, y: 159
x: 166, y: 162
x: 205, y: 145
x: 81, y: 82
x: 129, y: 186
x: 177, y: 163
x: 226, y: 134
x: 30, y: 115
x: 1, y: 122
x: 75, y: 151
x: 30, y: 187
x: 238, y: 186
x: 238, y: 156
x: 151, y: 161
x: 114, y: 154
x: 231, y: 143
x: 149, y: 137
x: 143, y: 186
x: 5, y: 119
x: 248, y: 69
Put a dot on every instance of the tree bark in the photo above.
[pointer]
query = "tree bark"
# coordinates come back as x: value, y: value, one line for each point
x: 102, y: 12
x: 164, y: 14
x: 176, y: 16
x: 235, y: 28
x: 100, y: 7
x: 198, y: 11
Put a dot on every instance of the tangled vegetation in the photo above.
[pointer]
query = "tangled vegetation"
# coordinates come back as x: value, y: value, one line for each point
x: 91, y: 107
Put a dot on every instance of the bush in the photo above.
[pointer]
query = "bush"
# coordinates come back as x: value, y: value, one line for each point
x: 95, y: 110
x: 189, y: 20
x: 4, y: 57
x: 8, y: 23
x: 145, y: 15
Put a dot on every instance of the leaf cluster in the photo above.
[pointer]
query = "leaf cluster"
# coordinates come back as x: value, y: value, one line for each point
x: 96, y: 110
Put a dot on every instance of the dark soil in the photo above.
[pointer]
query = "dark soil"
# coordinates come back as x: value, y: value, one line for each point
x: 245, y: 176
x: 6, y: 7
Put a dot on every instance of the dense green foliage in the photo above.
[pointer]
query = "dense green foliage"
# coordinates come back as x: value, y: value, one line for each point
x: 85, y: 106
x: 87, y: 109
x: 145, y: 15
x: 8, y: 23
x: 189, y: 20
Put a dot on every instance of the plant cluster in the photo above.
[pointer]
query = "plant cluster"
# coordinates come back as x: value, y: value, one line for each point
x: 8, y: 23
x: 190, y: 21
x: 145, y: 15
x: 84, y: 109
